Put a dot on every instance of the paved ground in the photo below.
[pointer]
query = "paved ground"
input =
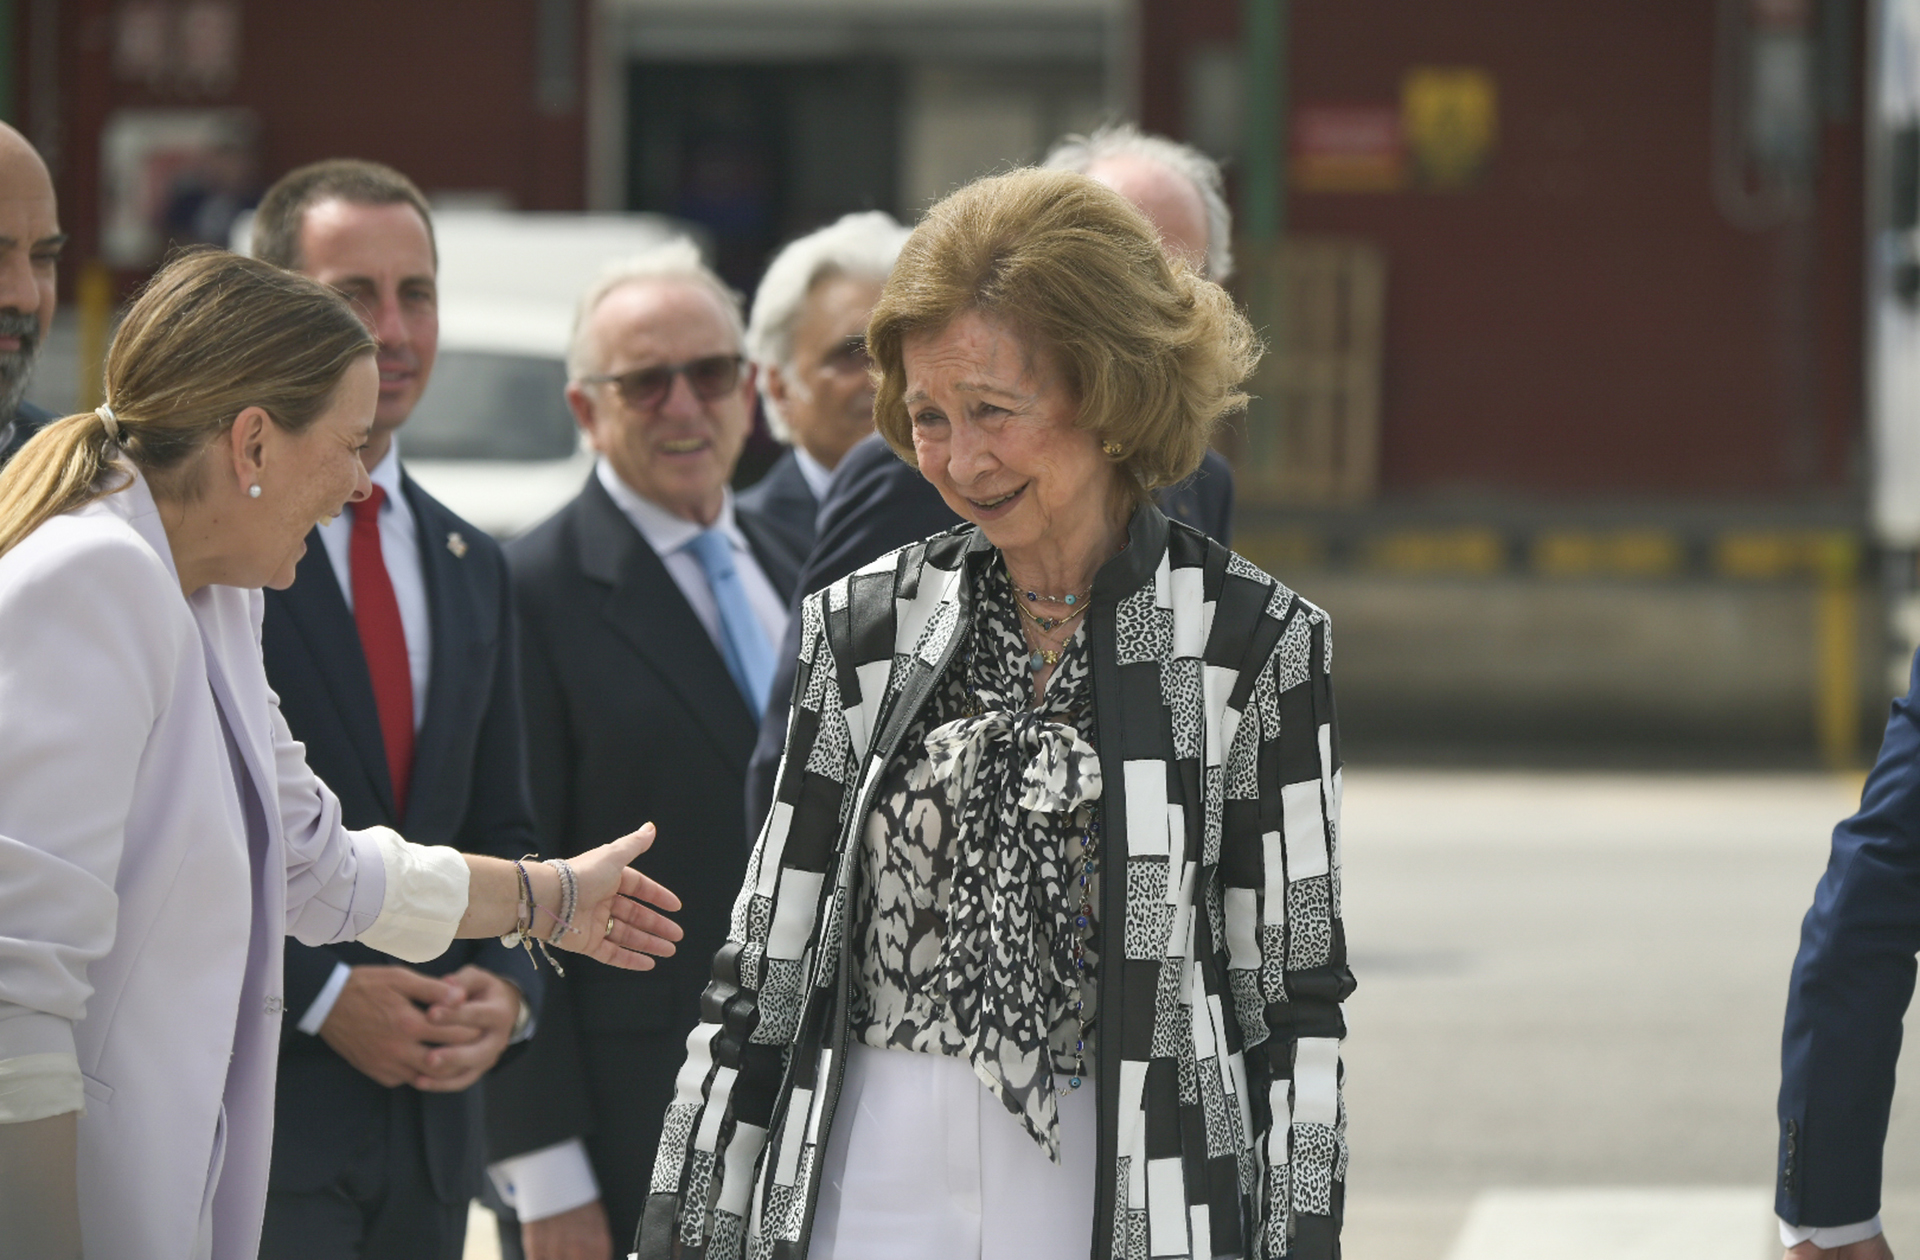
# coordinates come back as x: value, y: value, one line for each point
x: 1570, y: 995
x: 1565, y: 1042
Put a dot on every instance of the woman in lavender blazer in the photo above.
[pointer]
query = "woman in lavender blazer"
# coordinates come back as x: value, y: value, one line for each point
x: 160, y: 832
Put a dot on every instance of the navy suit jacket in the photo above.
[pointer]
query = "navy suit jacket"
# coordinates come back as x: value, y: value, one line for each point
x: 26, y: 421
x: 878, y: 502
x: 636, y: 720
x: 1852, y: 980
x: 469, y: 790
x: 783, y: 502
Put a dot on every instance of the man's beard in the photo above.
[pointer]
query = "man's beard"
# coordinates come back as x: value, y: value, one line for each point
x: 16, y: 366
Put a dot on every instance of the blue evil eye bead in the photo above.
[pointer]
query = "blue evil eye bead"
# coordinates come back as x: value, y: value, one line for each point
x: 1073, y: 1082
x: 1070, y: 600
x: 1081, y: 921
x: 1031, y: 597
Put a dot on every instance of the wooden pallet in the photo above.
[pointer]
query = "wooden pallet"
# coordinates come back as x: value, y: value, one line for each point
x: 1311, y: 434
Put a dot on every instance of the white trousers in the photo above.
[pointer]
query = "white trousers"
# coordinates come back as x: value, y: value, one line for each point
x: 924, y: 1164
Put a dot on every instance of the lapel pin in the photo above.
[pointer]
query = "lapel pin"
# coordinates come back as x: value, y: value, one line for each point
x: 457, y: 545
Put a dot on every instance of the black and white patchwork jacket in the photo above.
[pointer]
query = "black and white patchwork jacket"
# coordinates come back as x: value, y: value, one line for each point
x: 1221, y: 1128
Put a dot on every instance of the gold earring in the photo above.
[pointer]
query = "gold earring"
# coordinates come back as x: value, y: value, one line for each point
x: 1113, y: 449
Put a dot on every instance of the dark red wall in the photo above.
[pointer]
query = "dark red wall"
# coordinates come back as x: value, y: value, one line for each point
x: 441, y: 89
x: 1585, y: 321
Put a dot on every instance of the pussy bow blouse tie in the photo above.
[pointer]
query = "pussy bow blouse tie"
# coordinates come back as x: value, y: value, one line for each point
x: 1015, y: 781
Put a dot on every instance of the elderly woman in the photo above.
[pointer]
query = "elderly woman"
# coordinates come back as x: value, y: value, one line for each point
x: 1039, y: 953
x: 160, y: 833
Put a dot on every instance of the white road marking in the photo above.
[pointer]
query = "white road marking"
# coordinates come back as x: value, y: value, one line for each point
x: 1617, y: 1224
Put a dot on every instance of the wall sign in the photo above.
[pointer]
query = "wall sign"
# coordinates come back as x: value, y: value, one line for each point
x: 1451, y: 120
x: 1348, y: 149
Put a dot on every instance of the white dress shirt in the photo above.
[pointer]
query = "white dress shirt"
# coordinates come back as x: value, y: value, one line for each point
x: 816, y: 474
x: 559, y: 1178
x: 669, y: 535
x: 400, y: 550
x: 1827, y: 1237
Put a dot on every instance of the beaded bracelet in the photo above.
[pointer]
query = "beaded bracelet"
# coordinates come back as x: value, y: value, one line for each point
x: 523, y: 934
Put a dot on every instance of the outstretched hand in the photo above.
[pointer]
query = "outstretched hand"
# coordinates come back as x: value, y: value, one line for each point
x: 615, y: 922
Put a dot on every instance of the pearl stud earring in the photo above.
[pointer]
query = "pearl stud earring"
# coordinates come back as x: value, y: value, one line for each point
x: 253, y: 491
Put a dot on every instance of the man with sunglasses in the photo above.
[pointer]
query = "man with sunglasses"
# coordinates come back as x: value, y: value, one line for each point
x: 808, y: 343
x: 650, y: 608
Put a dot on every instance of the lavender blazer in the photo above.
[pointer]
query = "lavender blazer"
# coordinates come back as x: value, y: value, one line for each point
x: 160, y: 835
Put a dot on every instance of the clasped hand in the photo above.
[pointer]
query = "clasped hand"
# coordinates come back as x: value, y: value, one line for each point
x: 435, y: 1033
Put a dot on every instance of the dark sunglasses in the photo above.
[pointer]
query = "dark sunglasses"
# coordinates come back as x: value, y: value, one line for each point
x: 710, y: 378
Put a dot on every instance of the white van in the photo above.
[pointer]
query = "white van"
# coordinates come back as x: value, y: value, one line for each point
x: 492, y: 437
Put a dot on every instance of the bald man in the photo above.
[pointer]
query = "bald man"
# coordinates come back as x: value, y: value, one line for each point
x: 30, y: 242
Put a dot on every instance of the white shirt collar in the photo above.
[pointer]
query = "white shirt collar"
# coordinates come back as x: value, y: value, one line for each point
x: 386, y: 473
x: 816, y: 473
x: 665, y: 532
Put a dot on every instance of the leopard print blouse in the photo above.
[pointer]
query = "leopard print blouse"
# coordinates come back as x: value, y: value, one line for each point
x: 975, y: 883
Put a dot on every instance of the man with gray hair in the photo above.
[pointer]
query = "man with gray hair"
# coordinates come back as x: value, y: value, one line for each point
x: 808, y: 343
x: 1175, y: 185
x: 30, y: 241
x: 650, y: 607
x: 1180, y: 191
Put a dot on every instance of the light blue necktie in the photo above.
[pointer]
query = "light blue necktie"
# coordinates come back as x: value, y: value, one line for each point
x: 743, y: 641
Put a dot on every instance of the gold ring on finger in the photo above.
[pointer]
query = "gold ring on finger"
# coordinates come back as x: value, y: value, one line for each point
x: 609, y: 931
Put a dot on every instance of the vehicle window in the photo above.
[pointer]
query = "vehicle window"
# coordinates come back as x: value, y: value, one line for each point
x: 484, y: 405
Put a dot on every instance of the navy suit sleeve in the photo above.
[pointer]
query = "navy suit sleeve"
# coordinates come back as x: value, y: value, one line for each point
x: 1852, y: 981
x: 876, y: 503
x: 307, y: 969
x: 1220, y: 473
x: 500, y: 813
x: 763, y: 767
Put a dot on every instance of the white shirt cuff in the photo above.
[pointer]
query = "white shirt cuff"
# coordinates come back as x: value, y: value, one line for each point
x: 323, y: 1004
x: 425, y: 900
x: 35, y: 1086
x: 546, y: 1182
x: 1827, y: 1237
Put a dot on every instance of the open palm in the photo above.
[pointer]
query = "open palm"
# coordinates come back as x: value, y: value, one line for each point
x: 617, y: 921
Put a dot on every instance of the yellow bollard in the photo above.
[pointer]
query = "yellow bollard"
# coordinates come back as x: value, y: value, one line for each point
x: 96, y: 321
x: 1837, y: 639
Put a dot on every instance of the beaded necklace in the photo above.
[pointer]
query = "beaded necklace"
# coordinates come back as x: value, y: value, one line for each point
x: 1089, y: 867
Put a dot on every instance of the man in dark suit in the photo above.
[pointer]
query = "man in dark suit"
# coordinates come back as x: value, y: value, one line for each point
x: 1851, y: 985
x: 30, y: 243
x: 650, y: 608
x: 394, y: 656
x: 808, y: 344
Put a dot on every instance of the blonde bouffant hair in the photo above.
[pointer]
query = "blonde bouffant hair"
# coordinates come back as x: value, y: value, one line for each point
x: 1153, y: 353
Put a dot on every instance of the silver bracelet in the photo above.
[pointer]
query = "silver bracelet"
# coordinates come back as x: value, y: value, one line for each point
x: 569, y: 899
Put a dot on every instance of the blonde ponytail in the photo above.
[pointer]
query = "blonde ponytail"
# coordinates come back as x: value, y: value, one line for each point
x: 65, y: 465
x: 212, y: 334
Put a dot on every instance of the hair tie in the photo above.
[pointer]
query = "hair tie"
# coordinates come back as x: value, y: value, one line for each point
x: 108, y: 419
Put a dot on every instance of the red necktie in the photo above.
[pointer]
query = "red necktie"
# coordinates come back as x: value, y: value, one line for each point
x: 384, y: 641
